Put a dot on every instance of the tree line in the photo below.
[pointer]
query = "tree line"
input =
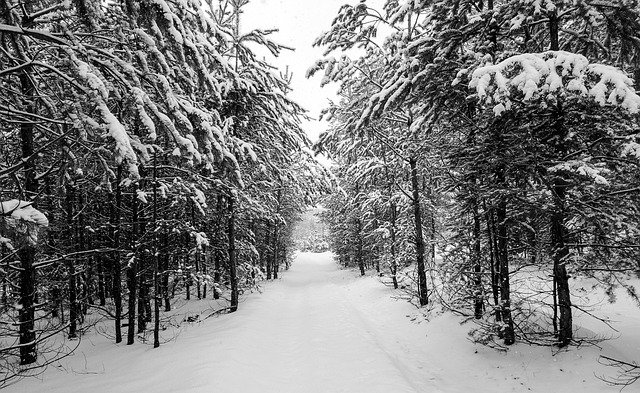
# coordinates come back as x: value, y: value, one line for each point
x: 147, y: 153
x: 504, y: 135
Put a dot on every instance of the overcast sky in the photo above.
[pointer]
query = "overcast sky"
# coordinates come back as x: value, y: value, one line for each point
x: 299, y: 23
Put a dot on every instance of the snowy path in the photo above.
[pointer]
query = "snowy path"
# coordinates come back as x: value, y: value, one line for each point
x: 306, y: 333
x: 321, y: 330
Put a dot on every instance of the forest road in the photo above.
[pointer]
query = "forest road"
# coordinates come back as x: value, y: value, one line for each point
x: 313, y: 331
x: 318, y: 329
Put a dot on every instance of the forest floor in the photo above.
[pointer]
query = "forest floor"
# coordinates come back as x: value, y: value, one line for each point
x: 322, y: 329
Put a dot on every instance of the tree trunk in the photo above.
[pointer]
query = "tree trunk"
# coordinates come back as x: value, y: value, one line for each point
x: 144, y: 306
x: 186, y: 272
x: 101, y: 281
x: 165, y: 270
x: 217, y: 252
x: 71, y: 270
x: 156, y: 260
x: 359, y: 256
x: 419, y: 239
x: 28, y: 351
x: 477, y: 261
x: 132, y: 275
x: 268, y: 251
x: 394, y: 261
x: 205, y: 260
x: 493, y: 259
x: 508, y: 332
x: 116, y: 274
x: 231, y: 232
x: 560, y: 249
x: 84, y: 243
x: 276, y: 250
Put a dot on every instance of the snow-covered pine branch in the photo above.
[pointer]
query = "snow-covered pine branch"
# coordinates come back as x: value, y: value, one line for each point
x: 550, y: 76
x: 21, y: 218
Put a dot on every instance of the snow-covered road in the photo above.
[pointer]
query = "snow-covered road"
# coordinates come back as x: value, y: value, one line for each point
x: 315, y: 330
x: 309, y: 334
x: 325, y: 330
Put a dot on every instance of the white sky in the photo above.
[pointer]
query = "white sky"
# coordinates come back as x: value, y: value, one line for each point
x: 299, y: 22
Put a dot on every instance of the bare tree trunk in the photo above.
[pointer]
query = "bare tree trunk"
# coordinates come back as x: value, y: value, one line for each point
x: 144, y: 305
x: 268, y: 251
x: 276, y: 260
x: 116, y: 274
x: 132, y: 275
x: 71, y: 270
x: 205, y: 260
x: 231, y: 232
x: 359, y: 256
x: 477, y: 261
x: 84, y: 243
x: 419, y: 239
x: 156, y: 261
x: 196, y: 254
x: 493, y: 259
x: 28, y: 351
x: 394, y: 261
x: 217, y: 251
x: 165, y: 270
x: 508, y: 332
x: 186, y: 273
x: 560, y: 249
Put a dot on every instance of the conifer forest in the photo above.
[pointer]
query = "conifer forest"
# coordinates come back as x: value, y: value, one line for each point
x: 445, y: 199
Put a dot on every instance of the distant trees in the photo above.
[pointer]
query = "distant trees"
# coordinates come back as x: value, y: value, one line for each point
x: 505, y: 132
x: 164, y: 155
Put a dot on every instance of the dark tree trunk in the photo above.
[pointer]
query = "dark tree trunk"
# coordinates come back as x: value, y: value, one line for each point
x: 186, y: 274
x: 144, y: 305
x: 276, y: 250
x: 205, y: 260
x: 116, y: 273
x: 508, y: 332
x: 359, y: 256
x: 493, y: 259
x: 84, y: 243
x: 394, y: 261
x: 28, y: 351
x: 196, y: 254
x: 419, y: 239
x: 477, y: 261
x: 197, y: 266
x: 156, y: 261
x: 560, y: 249
x: 71, y: 269
x: 560, y: 258
x: 101, y: 281
x: 231, y: 233
x: 268, y: 251
x: 165, y: 271
x: 217, y: 265
x: 132, y: 273
x: 217, y: 251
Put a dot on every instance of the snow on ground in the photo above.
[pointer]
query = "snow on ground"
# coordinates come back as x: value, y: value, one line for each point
x: 321, y: 329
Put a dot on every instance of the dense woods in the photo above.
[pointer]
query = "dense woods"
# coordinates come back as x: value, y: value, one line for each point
x: 487, y: 152
x: 147, y: 153
x: 485, y: 158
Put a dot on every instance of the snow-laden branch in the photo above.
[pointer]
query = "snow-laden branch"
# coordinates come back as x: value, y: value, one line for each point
x: 549, y: 76
x: 21, y: 218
